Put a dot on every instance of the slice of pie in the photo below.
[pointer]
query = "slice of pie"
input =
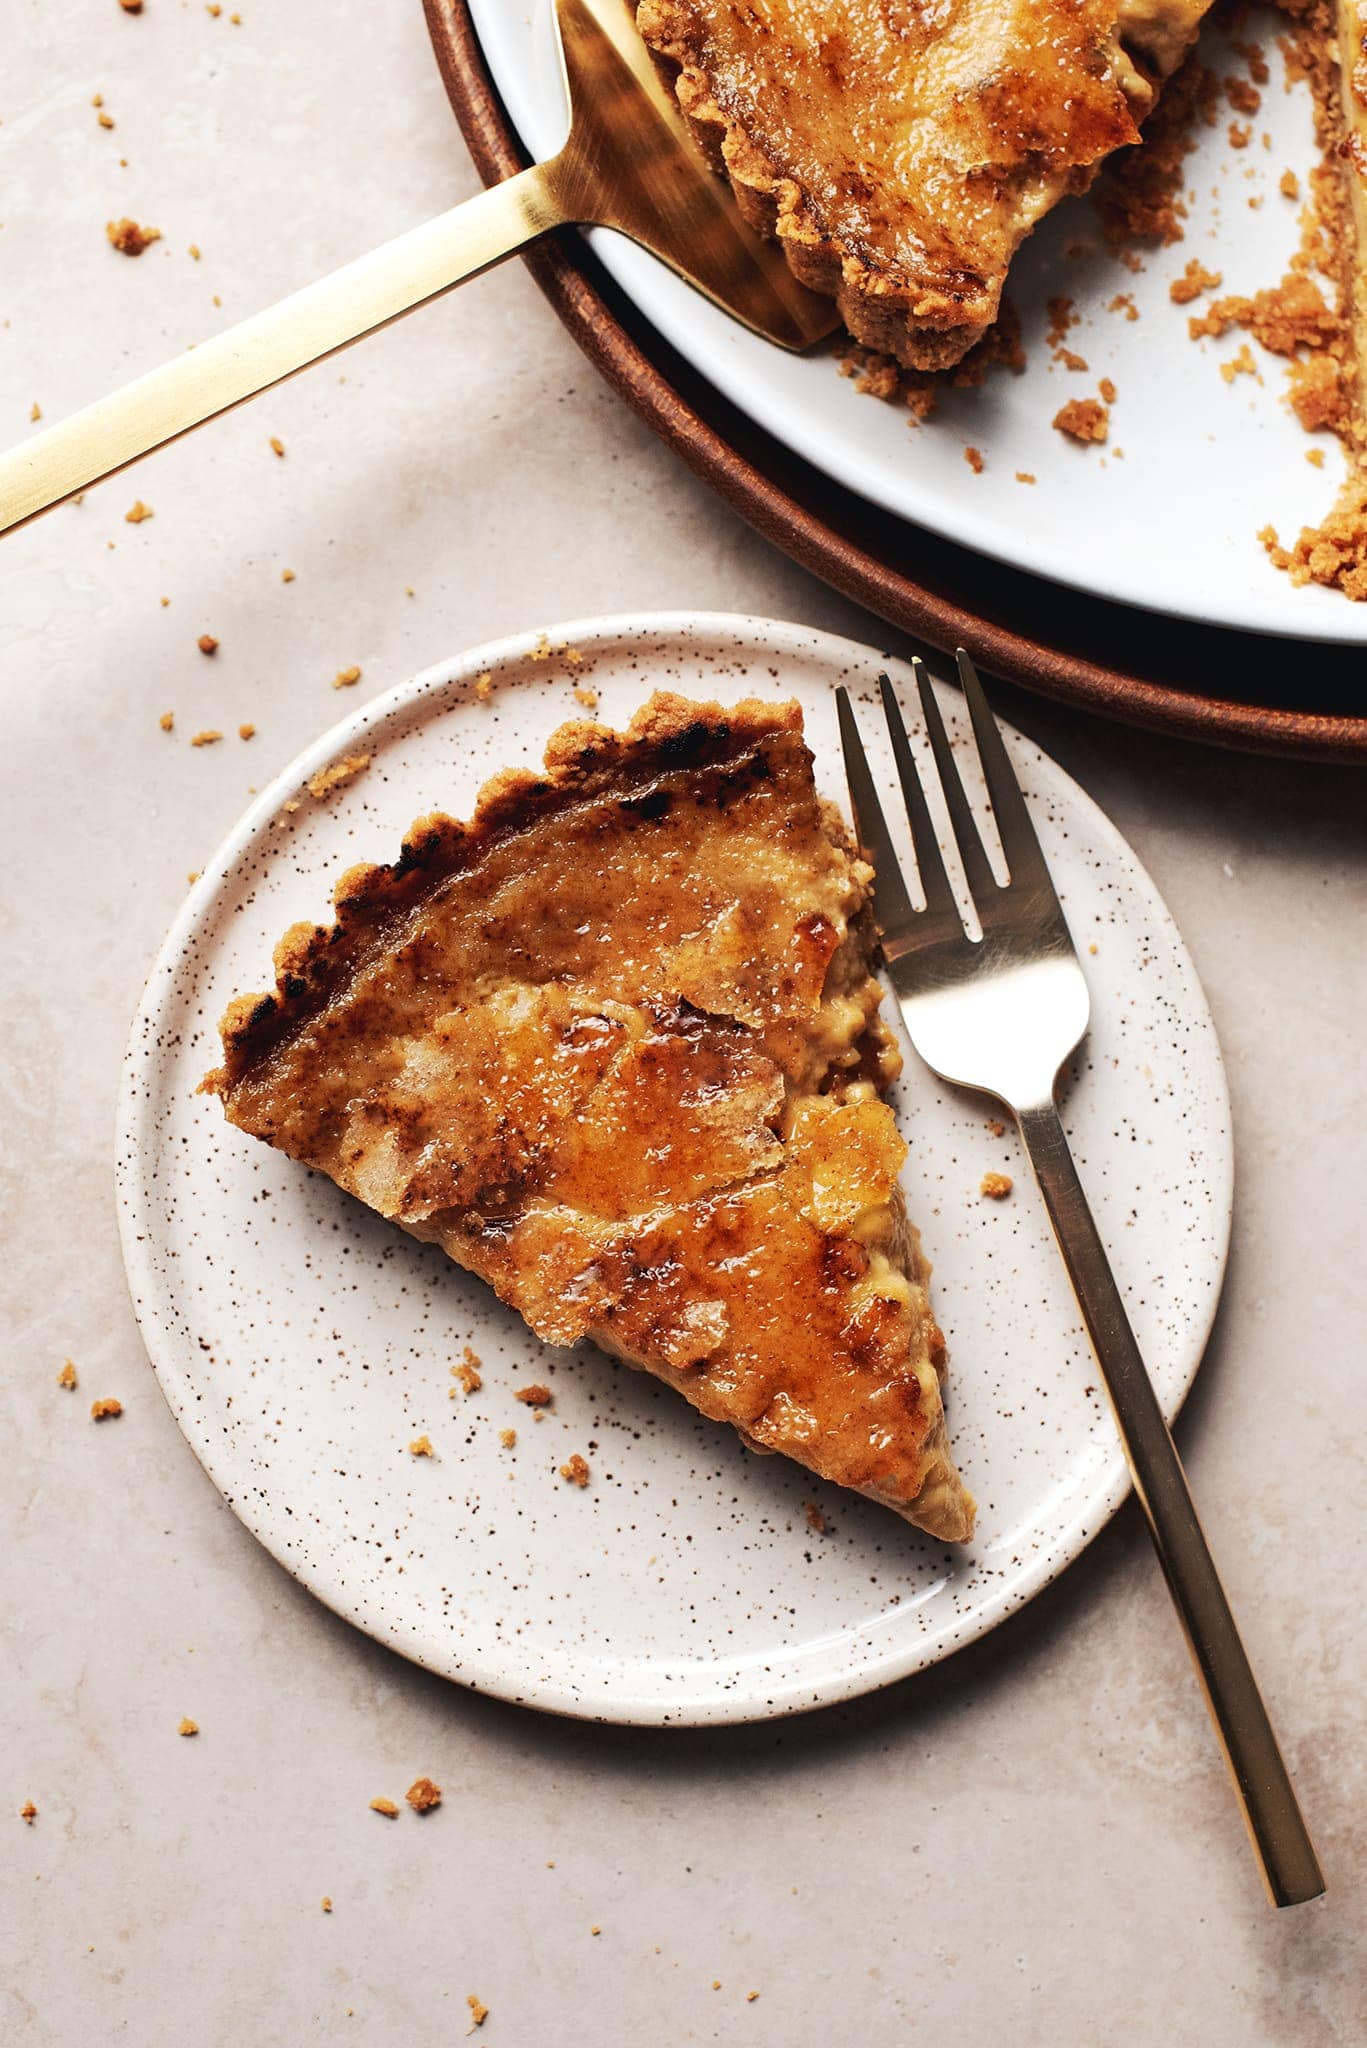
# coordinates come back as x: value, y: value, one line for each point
x: 614, y: 1045
x: 901, y: 151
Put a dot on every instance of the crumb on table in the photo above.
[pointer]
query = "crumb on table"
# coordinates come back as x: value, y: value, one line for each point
x: 468, y: 1372
x: 421, y: 1447
x: 326, y: 1903
x: 208, y: 738
x: 1107, y: 390
x: 128, y: 238
x: 996, y: 1186
x: 507, y: 1437
x: 1194, y: 280
x: 386, y: 1807
x: 167, y: 721
x: 137, y: 512
x: 187, y: 1726
x: 1070, y: 359
x: 277, y: 445
x: 422, y: 1795
x: 535, y: 1396
x: 479, y: 2011
x: 327, y: 779
x: 587, y: 696
x: 345, y: 677
x: 1025, y: 476
x: 67, y: 1376
x: 207, y: 643
x: 1083, y: 419
x: 576, y: 1471
x: 105, y: 1410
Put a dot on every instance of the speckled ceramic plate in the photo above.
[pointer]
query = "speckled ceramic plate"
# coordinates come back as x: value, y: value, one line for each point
x: 303, y: 1343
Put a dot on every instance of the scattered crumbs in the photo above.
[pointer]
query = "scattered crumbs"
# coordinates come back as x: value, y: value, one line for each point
x: 326, y: 1903
x: 137, y: 512
x: 187, y: 1726
x: 345, y: 677
x: 996, y: 1186
x: 1242, y: 95
x: 573, y: 655
x: 194, y: 252
x: 1093, y: 947
x: 1124, y: 303
x: 1239, y: 135
x: 386, y: 1807
x: 716, y: 1983
x: 1241, y: 365
x: 484, y: 685
x: 194, y: 876
x: 1062, y: 316
x: 576, y: 1471
x: 422, y: 1795
x: 246, y: 731
x: 327, y: 779
x: 35, y: 411
x: 287, y: 575
x: 28, y: 1813
x: 816, y: 1521
x: 277, y: 445
x: 1333, y: 553
x: 1107, y: 390
x: 535, y: 1396
x: 1315, y: 457
x: 207, y: 644
x: 595, y: 1929
x: 208, y: 738
x: 128, y: 238
x: 167, y: 720
x: 105, y: 120
x: 1070, y: 359
x: 1025, y: 476
x: 1289, y: 185
x: 542, y: 650
x: 1194, y: 280
x: 995, y: 1127
x: 479, y: 2011
x: 1084, y: 419
x: 974, y: 458
x: 750, y: 1997
x: 421, y: 1447
x: 586, y: 696
x: 67, y: 1376
x: 507, y: 1437
x: 106, y: 1410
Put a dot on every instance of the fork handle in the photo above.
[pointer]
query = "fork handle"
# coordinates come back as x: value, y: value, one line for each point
x: 264, y: 350
x: 1275, y: 1823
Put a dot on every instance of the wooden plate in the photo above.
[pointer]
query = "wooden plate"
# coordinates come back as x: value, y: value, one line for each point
x: 1239, y: 690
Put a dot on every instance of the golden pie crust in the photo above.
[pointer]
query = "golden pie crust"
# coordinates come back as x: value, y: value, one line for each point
x: 614, y: 1044
x: 900, y: 151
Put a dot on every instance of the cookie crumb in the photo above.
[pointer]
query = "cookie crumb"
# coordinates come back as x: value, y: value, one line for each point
x: 345, y: 677
x: 1107, y: 390
x: 247, y: 731
x: 188, y: 1727
x: 974, y: 458
x: 996, y: 1128
x: 386, y: 1807
x: 750, y: 1997
x: 207, y: 644
x: 535, y: 1396
x: 484, y: 685
x: 208, y: 738
x: 1241, y: 365
x: 326, y: 1903
x: 287, y: 575
x: 1123, y: 302
x: 479, y: 2011
x: 28, y: 1812
x: 1025, y: 476
x: 1289, y: 185
x: 996, y: 1186
x: 1070, y: 359
x: 194, y: 252
x: 422, y: 1795
x: 128, y: 238
x: 586, y: 696
x: 67, y: 1376
x: 277, y: 445
x: 167, y: 721
x: 421, y: 1447
x: 131, y: 6
x: 1315, y: 457
x: 507, y: 1437
x: 816, y: 1521
x: 1194, y: 280
x: 576, y: 1471
x: 468, y: 1372
x: 35, y: 411
x: 327, y: 779
x: 1083, y: 419
x: 106, y: 1410
x: 137, y: 512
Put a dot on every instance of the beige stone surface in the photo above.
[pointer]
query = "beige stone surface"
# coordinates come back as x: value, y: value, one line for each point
x: 1034, y: 1844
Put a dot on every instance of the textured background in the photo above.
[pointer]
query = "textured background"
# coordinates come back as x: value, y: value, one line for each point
x: 1034, y: 1843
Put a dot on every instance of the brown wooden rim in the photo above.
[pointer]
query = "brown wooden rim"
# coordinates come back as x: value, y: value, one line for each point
x: 1239, y: 690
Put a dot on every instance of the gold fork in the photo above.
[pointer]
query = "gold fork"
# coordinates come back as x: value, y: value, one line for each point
x: 1001, y: 1014
x: 628, y: 164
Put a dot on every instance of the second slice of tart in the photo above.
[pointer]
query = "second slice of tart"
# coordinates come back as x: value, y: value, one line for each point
x: 614, y: 1044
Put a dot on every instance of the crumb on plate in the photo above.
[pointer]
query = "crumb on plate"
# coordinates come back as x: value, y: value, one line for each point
x: 535, y: 1396
x: 105, y: 1410
x: 327, y: 779
x: 996, y: 1186
x: 128, y: 237
x: 576, y: 1471
x: 137, y: 512
x: 422, y: 1795
x: 187, y: 1726
x: 345, y: 677
x: 386, y: 1807
x: 421, y: 1447
x: 1083, y: 419
x: 67, y: 1376
x: 208, y: 738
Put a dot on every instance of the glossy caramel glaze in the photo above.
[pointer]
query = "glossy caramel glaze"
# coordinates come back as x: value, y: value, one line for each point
x: 615, y: 1046
x: 901, y: 149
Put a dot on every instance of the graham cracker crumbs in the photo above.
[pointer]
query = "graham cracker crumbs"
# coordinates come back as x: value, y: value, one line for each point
x: 213, y: 8
x: 326, y: 1903
x: 750, y: 1997
x: 1140, y: 198
x: 35, y: 411
x: 386, y: 1807
x: 1333, y: 553
x: 207, y: 644
x: 1315, y: 457
x: 468, y: 1372
x: 576, y: 1471
x: 1026, y: 476
x: 1084, y: 419
x: 1239, y: 135
x: 167, y: 721
x: 974, y: 458
x: 1063, y: 315
x: 28, y: 1813
x: 105, y: 120
x: 996, y: 1128
x: 586, y: 696
x: 137, y: 512
x: 1107, y: 390
x: 1194, y: 280
x: 816, y: 1521
x: 246, y: 731
x: 1289, y: 185
x: 1124, y: 303
x: 194, y: 252
x: 507, y: 1437
x: 1243, y: 95
x: 919, y: 390
x: 421, y: 1447
x: 193, y: 876
x: 277, y: 445
x: 208, y: 738
x: 345, y: 677
x: 595, y: 1929
x: 128, y: 238
x: 187, y: 1726
x: 484, y: 685
x: 996, y: 1186
x: 422, y: 1795
x: 535, y: 1396
x: 106, y: 1410
x: 1241, y: 365
x: 67, y: 1376
x: 479, y: 2011
x: 328, y: 779
x: 1070, y: 359
x: 287, y: 575
x: 131, y: 6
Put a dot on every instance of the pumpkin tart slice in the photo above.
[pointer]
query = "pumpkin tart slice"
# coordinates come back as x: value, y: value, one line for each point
x: 901, y: 150
x: 614, y: 1044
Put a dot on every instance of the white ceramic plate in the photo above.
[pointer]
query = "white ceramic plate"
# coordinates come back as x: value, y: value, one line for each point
x: 1170, y: 524
x: 303, y: 1343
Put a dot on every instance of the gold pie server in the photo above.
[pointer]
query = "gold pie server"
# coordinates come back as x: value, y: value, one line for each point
x: 628, y: 164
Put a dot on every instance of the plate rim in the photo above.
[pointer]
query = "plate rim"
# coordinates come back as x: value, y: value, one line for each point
x: 860, y: 551
x: 164, y: 1348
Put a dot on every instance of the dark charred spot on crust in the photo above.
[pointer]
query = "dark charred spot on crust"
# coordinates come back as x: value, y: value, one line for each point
x: 654, y: 803
x: 686, y: 747
x: 842, y: 1261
